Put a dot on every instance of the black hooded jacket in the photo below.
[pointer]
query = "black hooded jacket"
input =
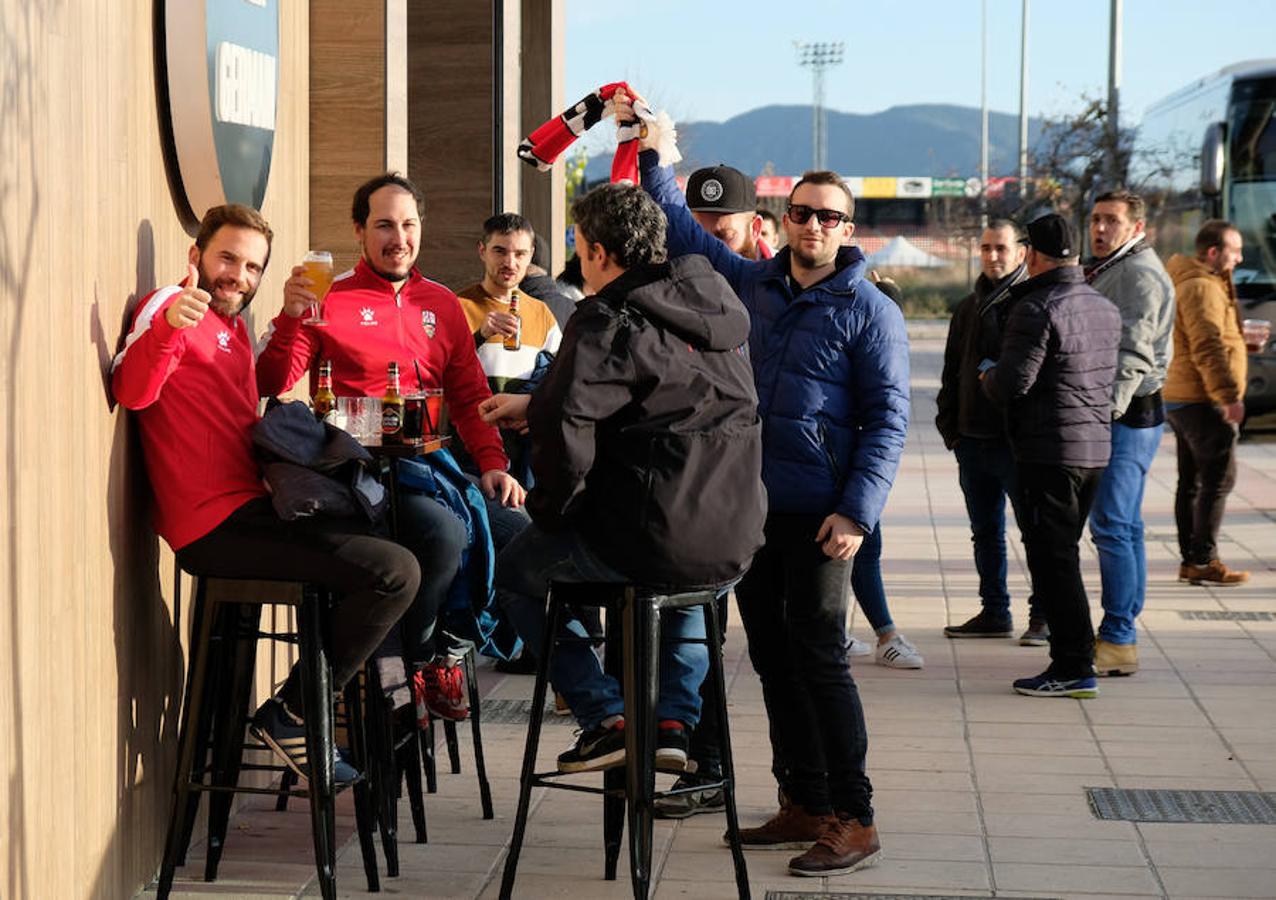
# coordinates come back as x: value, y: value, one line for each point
x: 645, y: 432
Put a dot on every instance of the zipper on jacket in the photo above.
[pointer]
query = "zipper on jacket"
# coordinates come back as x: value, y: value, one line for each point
x: 826, y: 446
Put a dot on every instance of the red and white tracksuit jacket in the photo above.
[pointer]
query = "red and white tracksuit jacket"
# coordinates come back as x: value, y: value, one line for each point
x: 195, y: 395
x: 368, y: 326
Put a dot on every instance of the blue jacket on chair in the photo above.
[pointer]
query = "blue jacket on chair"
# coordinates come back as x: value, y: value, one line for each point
x: 830, y: 366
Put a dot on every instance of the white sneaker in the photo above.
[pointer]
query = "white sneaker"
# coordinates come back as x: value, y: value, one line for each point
x: 898, y: 653
x: 856, y: 647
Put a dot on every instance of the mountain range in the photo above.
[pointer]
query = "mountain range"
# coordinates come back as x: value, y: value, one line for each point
x: 923, y: 139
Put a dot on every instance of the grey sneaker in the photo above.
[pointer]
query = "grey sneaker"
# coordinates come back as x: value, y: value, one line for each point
x: 1037, y: 635
x: 680, y: 806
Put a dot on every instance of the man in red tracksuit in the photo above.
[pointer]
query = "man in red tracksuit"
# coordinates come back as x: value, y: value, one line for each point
x: 384, y: 310
x: 187, y: 370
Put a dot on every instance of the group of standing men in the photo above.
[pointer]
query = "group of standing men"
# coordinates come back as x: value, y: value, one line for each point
x: 1056, y: 385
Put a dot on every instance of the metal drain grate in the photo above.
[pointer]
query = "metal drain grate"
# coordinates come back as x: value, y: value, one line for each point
x: 800, y: 895
x: 518, y: 712
x: 1226, y: 615
x: 1202, y: 807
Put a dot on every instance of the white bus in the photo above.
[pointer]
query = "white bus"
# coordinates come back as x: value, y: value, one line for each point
x: 1209, y: 151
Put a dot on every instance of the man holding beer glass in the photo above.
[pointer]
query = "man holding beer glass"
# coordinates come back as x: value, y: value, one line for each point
x: 384, y: 311
x: 187, y: 370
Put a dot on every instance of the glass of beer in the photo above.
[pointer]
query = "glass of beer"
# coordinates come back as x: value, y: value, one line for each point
x: 318, y: 269
x: 1257, y: 332
x: 414, y: 418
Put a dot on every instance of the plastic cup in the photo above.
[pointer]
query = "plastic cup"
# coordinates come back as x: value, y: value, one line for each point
x: 1257, y: 333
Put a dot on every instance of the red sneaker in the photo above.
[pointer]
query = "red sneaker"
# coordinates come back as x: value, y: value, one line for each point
x: 418, y: 700
x: 443, y: 688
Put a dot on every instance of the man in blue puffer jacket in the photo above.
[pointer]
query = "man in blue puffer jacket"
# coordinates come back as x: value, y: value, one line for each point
x: 830, y: 361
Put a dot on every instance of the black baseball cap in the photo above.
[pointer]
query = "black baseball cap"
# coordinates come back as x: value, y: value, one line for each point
x: 721, y: 189
x: 1052, y: 235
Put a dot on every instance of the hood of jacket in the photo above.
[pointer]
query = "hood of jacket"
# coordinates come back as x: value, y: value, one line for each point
x: 687, y: 297
x: 1184, y: 268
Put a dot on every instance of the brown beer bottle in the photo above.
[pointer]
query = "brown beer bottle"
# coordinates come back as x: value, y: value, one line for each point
x: 392, y: 408
x: 515, y: 340
x: 324, y: 401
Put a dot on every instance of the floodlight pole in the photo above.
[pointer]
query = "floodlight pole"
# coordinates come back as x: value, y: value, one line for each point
x: 819, y: 56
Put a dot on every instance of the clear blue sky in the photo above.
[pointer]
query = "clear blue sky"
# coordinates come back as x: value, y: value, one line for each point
x: 712, y: 60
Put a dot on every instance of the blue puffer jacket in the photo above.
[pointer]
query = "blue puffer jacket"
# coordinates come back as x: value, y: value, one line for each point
x: 831, y: 369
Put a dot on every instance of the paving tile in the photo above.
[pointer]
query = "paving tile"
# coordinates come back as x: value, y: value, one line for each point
x: 1066, y: 851
x: 1089, y: 878
x: 1236, y: 882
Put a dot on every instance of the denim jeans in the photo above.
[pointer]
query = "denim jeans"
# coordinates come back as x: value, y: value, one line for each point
x: 793, y: 602
x: 436, y: 537
x: 1116, y: 524
x: 1207, y: 473
x: 1056, y: 501
x: 866, y: 582
x: 986, y: 472
x: 524, y: 571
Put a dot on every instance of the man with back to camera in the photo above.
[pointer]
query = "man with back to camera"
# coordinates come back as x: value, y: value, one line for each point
x: 830, y: 359
x: 382, y: 310
x: 1205, y: 398
x: 1054, y: 378
x: 646, y: 450
x: 975, y: 430
x: 187, y: 371
x: 1126, y: 270
x: 769, y: 232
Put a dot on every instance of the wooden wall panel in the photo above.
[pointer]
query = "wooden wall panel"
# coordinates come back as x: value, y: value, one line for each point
x: 92, y: 657
x: 542, y: 98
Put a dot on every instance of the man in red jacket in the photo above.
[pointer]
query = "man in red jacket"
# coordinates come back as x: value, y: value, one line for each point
x: 187, y: 370
x: 384, y: 310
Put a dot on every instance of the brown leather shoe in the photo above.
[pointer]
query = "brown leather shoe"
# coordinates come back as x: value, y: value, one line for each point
x: 1185, y: 573
x: 1214, y: 572
x: 792, y: 828
x: 844, y: 847
x: 1115, y: 659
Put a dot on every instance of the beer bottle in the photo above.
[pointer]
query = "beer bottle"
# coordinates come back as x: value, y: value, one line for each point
x: 392, y: 408
x: 324, y: 401
x: 515, y: 340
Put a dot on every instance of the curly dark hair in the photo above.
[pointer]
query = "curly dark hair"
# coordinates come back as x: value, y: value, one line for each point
x: 628, y: 223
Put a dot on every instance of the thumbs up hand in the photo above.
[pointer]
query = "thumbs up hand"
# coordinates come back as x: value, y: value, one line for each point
x: 189, y: 307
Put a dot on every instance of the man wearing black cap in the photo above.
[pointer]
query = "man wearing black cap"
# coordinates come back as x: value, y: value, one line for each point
x: 1054, y: 378
x: 724, y: 202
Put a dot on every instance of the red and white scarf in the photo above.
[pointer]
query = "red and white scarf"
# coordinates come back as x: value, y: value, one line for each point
x: 544, y: 145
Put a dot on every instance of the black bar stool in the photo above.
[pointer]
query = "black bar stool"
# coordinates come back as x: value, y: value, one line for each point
x: 428, y: 740
x: 226, y: 622
x: 632, y: 654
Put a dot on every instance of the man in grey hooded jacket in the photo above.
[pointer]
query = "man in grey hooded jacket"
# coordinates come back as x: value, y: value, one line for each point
x: 1127, y: 271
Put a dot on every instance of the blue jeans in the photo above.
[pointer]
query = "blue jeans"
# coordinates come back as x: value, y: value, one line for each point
x: 1116, y: 524
x: 866, y: 582
x: 437, y: 538
x: 986, y: 472
x: 524, y: 570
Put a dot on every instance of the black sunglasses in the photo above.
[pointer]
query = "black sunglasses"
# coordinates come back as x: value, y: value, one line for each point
x: 829, y: 218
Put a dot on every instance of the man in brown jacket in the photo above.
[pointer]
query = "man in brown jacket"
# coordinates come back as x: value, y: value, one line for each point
x: 1204, y: 397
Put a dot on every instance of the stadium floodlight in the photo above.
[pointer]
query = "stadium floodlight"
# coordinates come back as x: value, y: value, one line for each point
x: 819, y: 56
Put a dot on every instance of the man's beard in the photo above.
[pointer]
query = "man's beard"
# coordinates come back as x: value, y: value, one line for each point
x: 389, y: 276
x: 227, y: 308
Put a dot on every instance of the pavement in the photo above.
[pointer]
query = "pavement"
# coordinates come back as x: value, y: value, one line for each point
x: 978, y: 791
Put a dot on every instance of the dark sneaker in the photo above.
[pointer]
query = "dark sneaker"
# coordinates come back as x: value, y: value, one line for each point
x: 693, y: 802
x: 982, y: 625
x: 1115, y: 659
x: 440, y: 686
x: 285, y: 735
x: 671, y: 745
x: 523, y: 664
x: 1215, y: 573
x: 598, y: 748
x: 1049, y: 685
x: 844, y: 847
x: 792, y: 828
x: 1037, y: 635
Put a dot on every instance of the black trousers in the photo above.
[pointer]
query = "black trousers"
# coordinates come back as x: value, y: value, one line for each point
x: 1206, y: 447
x: 375, y: 579
x: 793, y: 603
x: 1055, y: 503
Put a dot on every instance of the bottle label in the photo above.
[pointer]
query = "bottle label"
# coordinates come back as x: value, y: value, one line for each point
x: 391, y: 421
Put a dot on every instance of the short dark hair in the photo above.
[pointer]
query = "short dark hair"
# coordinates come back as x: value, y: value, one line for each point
x: 507, y: 223
x: 826, y: 177
x: 1133, y: 202
x: 1211, y: 235
x: 363, y: 195
x: 236, y: 214
x: 997, y: 224
x: 769, y: 216
x: 627, y: 222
